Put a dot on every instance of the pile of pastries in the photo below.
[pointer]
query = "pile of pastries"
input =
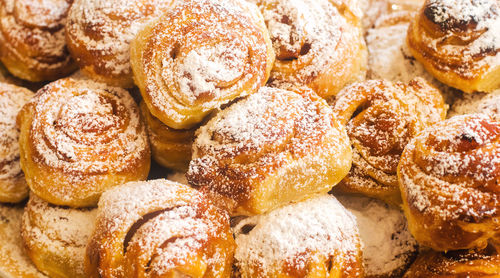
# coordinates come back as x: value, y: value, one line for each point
x: 249, y: 138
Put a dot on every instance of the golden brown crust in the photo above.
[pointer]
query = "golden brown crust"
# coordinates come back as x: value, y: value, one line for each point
x: 267, y: 150
x: 99, y: 35
x: 13, y: 187
x: 199, y: 56
x: 170, y: 147
x: 458, y: 42
x: 463, y: 263
x: 55, y: 237
x: 159, y: 229
x: 381, y: 118
x: 79, y: 138
x: 32, y: 45
x: 317, y: 43
x: 449, y: 176
x: 314, y: 238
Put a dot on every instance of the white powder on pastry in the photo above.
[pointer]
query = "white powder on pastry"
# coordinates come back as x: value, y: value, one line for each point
x: 488, y: 104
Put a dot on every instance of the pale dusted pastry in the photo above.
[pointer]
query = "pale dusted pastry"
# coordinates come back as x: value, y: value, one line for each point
x: 463, y: 263
x: 488, y: 104
x: 159, y: 228
x: 78, y: 138
x: 458, y: 42
x: 13, y: 187
x: 318, y: 43
x: 269, y: 149
x: 99, y: 33
x: 375, y: 9
x: 381, y: 118
x: 56, y: 237
x: 449, y: 177
x: 32, y: 44
x: 14, y: 263
x: 199, y: 56
x: 314, y: 238
x: 170, y: 147
x: 388, y: 246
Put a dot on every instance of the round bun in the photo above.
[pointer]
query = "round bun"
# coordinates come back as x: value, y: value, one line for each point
x: 78, y: 138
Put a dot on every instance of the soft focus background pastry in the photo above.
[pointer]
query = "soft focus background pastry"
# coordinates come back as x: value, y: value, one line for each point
x: 100, y: 32
x: 318, y: 43
x: 488, y: 104
x: 13, y: 187
x: 381, y: 118
x: 314, y: 238
x: 78, y: 138
x: 32, y: 43
x: 56, y: 237
x: 159, y: 228
x: 449, y: 176
x: 269, y: 149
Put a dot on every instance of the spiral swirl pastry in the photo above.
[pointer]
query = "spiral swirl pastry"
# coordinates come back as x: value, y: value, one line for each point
x: 269, y: 149
x: 458, y: 42
x: 13, y: 187
x: 449, y: 176
x: 56, y: 237
x: 314, y: 238
x: 32, y: 44
x: 78, y: 138
x: 170, y: 147
x: 381, y: 118
x: 317, y: 43
x: 159, y: 228
x: 463, y: 263
x: 199, y: 56
x: 99, y: 33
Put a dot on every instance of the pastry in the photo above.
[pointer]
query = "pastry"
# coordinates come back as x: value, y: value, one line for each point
x: 159, y: 228
x: 78, y: 138
x: 55, y: 237
x: 32, y: 44
x: 488, y: 104
x: 458, y: 42
x: 99, y: 33
x: 388, y: 246
x: 449, y: 176
x: 318, y: 43
x: 269, y: 149
x: 170, y: 147
x: 13, y: 187
x: 381, y: 118
x: 375, y: 9
x: 314, y: 238
x: 14, y: 263
x: 199, y: 56
x: 463, y: 263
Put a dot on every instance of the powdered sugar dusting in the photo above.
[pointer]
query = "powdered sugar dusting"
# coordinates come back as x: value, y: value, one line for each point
x: 14, y: 261
x: 488, y: 104
x: 12, y: 98
x: 295, y: 233
x: 59, y: 231
x: 389, y: 248
x: 450, y: 169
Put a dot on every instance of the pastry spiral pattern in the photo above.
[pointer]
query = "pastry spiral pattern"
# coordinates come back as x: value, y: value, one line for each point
x: 170, y: 147
x: 449, y: 176
x: 55, y: 237
x: 13, y: 187
x: 462, y: 263
x: 199, y: 56
x: 317, y: 43
x: 78, y: 138
x: 159, y: 228
x: 32, y: 44
x: 269, y: 149
x: 99, y: 33
x: 381, y: 118
x: 458, y: 42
